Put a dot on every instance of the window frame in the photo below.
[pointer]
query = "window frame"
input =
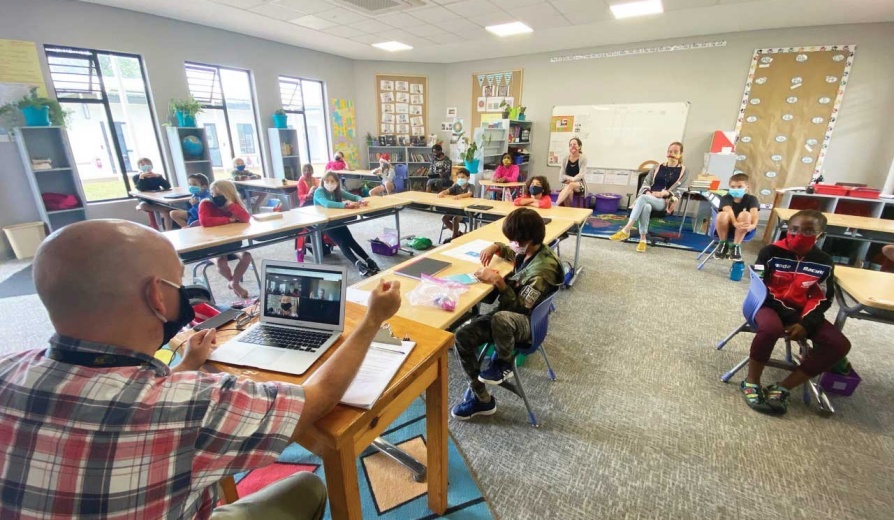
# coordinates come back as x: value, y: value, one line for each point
x: 303, y: 112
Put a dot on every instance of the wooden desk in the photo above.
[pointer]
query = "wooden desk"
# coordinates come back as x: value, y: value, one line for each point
x: 483, y: 185
x: 342, y: 435
x: 859, y: 229
x: 361, y: 175
x: 273, y: 186
x: 872, y: 292
x: 430, y: 201
x: 158, y: 197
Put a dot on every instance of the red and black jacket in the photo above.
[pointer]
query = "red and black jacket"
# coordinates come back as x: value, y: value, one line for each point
x: 800, y: 288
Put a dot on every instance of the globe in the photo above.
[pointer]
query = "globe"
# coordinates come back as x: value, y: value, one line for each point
x: 193, y: 146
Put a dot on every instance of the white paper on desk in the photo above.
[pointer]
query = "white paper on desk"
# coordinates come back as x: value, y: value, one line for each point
x: 469, y: 252
x: 377, y: 370
x: 358, y: 296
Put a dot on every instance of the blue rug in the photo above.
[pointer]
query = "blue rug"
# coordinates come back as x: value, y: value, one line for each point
x: 19, y: 284
x: 603, y: 225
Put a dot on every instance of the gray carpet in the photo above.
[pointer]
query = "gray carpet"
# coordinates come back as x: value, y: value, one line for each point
x: 638, y: 424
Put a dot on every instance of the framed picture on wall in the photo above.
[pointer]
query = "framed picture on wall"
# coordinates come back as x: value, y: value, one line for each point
x: 401, y: 86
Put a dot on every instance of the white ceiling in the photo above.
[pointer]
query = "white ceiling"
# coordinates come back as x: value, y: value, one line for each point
x: 447, y: 31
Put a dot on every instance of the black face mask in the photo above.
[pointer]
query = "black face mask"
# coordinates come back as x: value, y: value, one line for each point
x: 185, y: 315
x: 536, y: 190
x: 219, y: 200
x: 286, y: 306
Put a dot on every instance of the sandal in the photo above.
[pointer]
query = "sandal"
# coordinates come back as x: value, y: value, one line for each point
x: 754, y: 397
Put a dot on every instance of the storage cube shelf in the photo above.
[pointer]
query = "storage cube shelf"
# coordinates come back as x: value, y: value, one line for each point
x: 284, y: 153
x: 184, y: 163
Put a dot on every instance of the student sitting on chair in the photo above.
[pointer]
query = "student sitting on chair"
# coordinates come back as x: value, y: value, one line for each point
x: 505, y: 172
x: 659, y: 193
x: 737, y: 216
x: 147, y: 180
x: 306, y: 186
x: 440, y: 171
x: 573, y: 169
x: 198, y: 187
x: 387, y: 173
x: 462, y: 189
x: 800, y: 281
x: 333, y: 196
x: 240, y: 173
x: 538, y: 192
x: 338, y: 163
x: 225, y: 207
x: 537, y: 273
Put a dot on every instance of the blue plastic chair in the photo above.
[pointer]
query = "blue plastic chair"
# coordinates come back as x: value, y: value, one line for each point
x: 539, y: 325
x: 715, y: 241
x: 400, y: 177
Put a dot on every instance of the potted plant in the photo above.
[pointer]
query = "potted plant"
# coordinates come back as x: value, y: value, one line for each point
x: 507, y: 108
x: 185, y: 111
x: 280, y: 119
x: 37, y: 110
x: 370, y: 140
x: 521, y: 113
x: 471, y: 156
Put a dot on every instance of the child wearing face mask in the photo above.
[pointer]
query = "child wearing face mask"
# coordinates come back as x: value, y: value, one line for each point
x: 387, y: 173
x: 306, y: 186
x: 240, y: 173
x: 738, y: 216
x: 198, y: 187
x: 147, y: 180
x: 225, y: 207
x: 505, y: 172
x: 462, y: 189
x: 537, y: 189
x: 800, y: 282
x: 338, y: 163
x: 332, y: 196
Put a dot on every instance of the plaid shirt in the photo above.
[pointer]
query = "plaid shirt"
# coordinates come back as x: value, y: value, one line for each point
x: 129, y: 442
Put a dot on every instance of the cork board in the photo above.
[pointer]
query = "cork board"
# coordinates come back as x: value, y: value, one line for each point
x: 490, y: 88
x: 402, y: 103
x: 788, y: 112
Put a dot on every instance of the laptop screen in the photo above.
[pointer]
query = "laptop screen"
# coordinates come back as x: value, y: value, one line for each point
x: 303, y: 294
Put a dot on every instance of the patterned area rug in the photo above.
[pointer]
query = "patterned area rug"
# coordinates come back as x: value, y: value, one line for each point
x: 603, y: 225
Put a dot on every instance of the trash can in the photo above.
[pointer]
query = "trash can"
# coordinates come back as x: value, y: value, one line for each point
x: 607, y: 202
x: 25, y: 238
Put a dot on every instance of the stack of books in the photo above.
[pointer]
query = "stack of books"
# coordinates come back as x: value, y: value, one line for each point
x: 704, y: 183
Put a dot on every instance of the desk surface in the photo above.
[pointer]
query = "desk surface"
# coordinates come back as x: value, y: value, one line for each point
x: 432, y: 199
x: 269, y: 183
x: 375, y: 204
x: 846, y: 221
x: 500, y: 184
x: 871, y: 288
x: 576, y: 215
x: 355, y: 173
x: 159, y: 196
x: 195, y: 238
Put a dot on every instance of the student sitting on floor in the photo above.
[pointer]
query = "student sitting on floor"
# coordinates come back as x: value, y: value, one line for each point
x: 240, y: 173
x: 462, y: 189
x: 387, y: 173
x: 536, y: 275
x: 801, y: 285
x: 332, y: 196
x: 538, y: 192
x: 306, y: 186
x: 147, y: 180
x: 198, y: 187
x: 738, y: 215
x: 225, y: 207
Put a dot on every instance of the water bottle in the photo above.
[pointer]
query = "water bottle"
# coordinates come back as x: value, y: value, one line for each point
x: 737, y: 270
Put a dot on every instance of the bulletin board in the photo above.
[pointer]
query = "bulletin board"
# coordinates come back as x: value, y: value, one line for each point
x: 19, y: 71
x: 344, y: 128
x: 402, y: 103
x: 788, y: 112
x: 491, y: 88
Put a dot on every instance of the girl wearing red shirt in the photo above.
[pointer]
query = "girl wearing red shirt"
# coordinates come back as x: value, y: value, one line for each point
x: 306, y: 186
x: 225, y: 207
x: 538, y: 190
x: 338, y: 163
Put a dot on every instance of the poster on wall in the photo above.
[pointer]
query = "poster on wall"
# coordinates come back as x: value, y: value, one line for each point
x: 344, y: 129
x: 788, y: 113
x: 402, y: 104
x: 19, y: 73
x: 490, y: 89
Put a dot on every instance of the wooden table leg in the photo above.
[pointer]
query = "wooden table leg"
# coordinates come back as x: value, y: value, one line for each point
x: 436, y: 430
x: 341, y: 483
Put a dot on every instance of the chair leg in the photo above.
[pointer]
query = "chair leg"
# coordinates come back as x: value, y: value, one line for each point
x: 255, y: 269
x: 709, y: 255
x: 705, y: 250
x: 726, y: 340
x: 727, y: 376
x: 549, y: 368
x: 521, y: 393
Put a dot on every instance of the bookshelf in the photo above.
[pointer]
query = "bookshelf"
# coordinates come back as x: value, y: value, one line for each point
x: 520, y: 138
x: 416, y: 158
x: 184, y: 163
x: 284, y: 153
x: 51, y: 142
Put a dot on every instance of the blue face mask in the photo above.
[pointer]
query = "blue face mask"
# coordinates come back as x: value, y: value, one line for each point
x: 462, y: 182
x: 195, y: 190
x: 240, y: 168
x: 737, y: 193
x: 146, y: 168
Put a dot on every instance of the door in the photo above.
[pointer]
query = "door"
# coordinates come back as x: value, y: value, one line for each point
x: 213, y: 145
x: 126, y: 150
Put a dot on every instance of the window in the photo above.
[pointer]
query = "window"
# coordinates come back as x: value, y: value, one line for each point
x: 110, y: 123
x: 304, y: 102
x: 228, y: 115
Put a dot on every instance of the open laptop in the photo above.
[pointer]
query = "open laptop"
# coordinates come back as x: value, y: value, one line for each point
x: 302, y: 315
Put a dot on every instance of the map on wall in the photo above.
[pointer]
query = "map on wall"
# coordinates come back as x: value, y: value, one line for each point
x: 344, y: 129
x: 19, y: 72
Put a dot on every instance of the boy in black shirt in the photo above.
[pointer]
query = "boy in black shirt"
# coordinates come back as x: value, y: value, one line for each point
x: 738, y: 216
x: 462, y: 189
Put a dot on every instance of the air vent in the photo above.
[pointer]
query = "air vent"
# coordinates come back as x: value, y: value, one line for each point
x: 378, y: 7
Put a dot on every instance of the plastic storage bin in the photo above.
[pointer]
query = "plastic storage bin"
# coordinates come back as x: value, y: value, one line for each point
x: 841, y: 384
x: 25, y: 238
x: 381, y: 248
x: 607, y: 202
x: 864, y: 193
x: 830, y: 189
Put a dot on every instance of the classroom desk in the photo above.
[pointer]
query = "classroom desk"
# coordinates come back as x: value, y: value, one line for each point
x: 378, y: 207
x: 483, y: 185
x: 442, y: 319
x: 272, y: 186
x: 360, y: 175
x: 872, y: 293
x: 158, y: 197
x: 431, y: 202
x: 342, y: 435
x: 855, y: 228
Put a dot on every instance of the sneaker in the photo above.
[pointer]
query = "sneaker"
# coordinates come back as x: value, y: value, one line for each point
x: 641, y: 246
x: 735, y: 253
x: 722, y: 251
x: 471, y: 406
x: 777, y: 398
x: 497, y: 372
x: 754, y: 397
x: 619, y: 236
x: 372, y: 266
x: 361, y: 266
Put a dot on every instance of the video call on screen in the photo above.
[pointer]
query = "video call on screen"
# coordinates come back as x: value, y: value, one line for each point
x: 303, y: 297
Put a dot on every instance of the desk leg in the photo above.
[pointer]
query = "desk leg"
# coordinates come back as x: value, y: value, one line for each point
x: 397, y: 222
x: 685, y: 209
x: 317, y: 239
x: 577, y: 268
x: 436, y: 430
x: 342, y: 484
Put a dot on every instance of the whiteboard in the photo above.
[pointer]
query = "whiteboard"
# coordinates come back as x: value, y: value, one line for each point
x: 617, y: 136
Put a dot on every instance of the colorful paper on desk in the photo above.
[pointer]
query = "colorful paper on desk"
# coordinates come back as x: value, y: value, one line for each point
x: 465, y: 278
x: 381, y: 363
x: 469, y: 252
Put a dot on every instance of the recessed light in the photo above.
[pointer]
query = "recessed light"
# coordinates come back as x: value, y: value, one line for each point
x: 641, y: 8
x: 392, y: 46
x: 509, y: 29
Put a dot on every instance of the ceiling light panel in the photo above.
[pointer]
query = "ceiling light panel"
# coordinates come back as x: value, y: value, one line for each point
x: 509, y: 29
x: 392, y: 46
x: 640, y: 8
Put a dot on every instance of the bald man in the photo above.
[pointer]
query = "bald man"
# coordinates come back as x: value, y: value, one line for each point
x: 95, y: 427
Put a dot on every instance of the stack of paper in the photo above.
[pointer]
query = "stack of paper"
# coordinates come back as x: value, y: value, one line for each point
x: 378, y: 369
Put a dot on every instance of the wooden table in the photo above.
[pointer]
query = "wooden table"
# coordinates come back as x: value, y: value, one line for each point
x: 284, y: 187
x: 159, y: 198
x: 360, y: 175
x: 855, y: 228
x: 378, y: 207
x: 483, y: 185
x: 872, y: 293
x: 342, y: 435
x: 431, y: 202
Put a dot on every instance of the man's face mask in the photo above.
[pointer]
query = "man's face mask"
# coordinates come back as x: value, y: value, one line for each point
x: 185, y: 315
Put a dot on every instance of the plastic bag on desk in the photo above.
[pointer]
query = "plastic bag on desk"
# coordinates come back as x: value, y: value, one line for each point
x: 436, y: 292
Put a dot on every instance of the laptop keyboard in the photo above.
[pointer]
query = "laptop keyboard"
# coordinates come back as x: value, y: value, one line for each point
x: 293, y: 339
